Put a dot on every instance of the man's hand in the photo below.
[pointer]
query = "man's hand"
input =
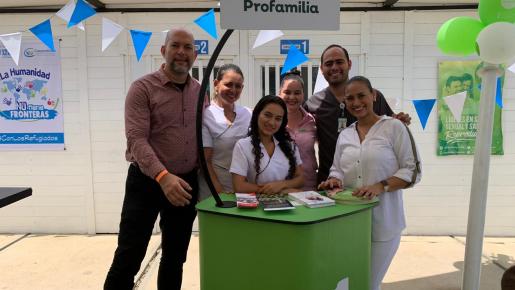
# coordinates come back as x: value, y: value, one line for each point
x: 331, y: 185
x: 403, y: 117
x: 175, y: 189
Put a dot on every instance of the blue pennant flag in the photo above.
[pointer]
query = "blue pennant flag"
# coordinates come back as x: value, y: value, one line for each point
x: 43, y: 31
x: 498, y: 93
x: 294, y: 58
x: 207, y: 23
x: 140, y: 40
x: 424, y: 108
x: 81, y: 12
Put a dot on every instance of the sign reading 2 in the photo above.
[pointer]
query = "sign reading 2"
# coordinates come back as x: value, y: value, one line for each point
x: 202, y: 46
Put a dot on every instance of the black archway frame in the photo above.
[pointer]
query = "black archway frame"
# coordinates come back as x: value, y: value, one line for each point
x: 200, y: 107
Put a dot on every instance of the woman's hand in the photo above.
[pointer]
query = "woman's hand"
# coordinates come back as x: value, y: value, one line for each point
x: 369, y: 192
x: 332, y: 184
x: 271, y: 188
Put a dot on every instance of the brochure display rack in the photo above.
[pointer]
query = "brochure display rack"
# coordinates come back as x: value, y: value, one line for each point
x: 304, y: 248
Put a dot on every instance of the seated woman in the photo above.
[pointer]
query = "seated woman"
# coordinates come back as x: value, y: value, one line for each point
x: 224, y: 123
x: 375, y: 155
x: 267, y: 161
x: 301, y: 126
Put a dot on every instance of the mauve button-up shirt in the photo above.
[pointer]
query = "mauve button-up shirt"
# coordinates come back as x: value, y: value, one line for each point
x: 160, y: 124
x: 305, y: 137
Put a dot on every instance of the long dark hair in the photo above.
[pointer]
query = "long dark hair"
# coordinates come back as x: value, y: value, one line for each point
x: 282, y: 135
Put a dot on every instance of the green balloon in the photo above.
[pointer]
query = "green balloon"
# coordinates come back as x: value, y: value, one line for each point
x: 491, y: 11
x: 458, y: 36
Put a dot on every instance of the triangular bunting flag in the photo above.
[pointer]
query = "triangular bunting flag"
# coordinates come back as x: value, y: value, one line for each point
x: 455, y: 103
x: 110, y: 31
x: 424, y: 108
x: 163, y: 34
x: 265, y: 36
x: 512, y: 68
x: 498, y: 93
x: 66, y: 12
x: 12, y: 43
x: 320, y: 83
x: 43, y: 32
x: 81, y: 12
x: 294, y: 58
x: 207, y: 23
x: 140, y: 40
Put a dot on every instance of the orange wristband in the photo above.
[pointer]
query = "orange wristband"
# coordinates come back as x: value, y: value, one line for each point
x: 161, y: 174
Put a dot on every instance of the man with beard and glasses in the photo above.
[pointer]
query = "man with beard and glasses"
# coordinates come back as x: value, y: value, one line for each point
x: 329, y: 110
x: 160, y: 114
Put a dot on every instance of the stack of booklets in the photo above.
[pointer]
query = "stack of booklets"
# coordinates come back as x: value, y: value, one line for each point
x: 246, y: 200
x: 273, y: 202
x: 311, y: 199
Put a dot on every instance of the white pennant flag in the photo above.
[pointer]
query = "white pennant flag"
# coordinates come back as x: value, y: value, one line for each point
x: 164, y: 33
x: 455, y: 103
x: 12, y: 43
x: 66, y: 12
x: 321, y: 83
x: 265, y: 36
x: 110, y: 31
x: 512, y: 68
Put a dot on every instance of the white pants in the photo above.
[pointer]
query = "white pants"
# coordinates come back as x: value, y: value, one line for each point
x: 382, y: 255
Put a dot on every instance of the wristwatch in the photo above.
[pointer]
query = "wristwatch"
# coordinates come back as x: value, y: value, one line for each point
x: 385, y: 185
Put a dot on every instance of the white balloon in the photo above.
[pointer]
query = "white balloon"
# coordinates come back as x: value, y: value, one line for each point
x: 496, y: 43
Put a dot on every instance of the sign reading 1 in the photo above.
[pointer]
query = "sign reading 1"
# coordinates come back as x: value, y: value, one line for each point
x: 301, y: 44
x: 202, y: 46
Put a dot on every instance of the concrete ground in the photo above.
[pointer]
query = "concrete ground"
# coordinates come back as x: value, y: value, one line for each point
x: 81, y: 262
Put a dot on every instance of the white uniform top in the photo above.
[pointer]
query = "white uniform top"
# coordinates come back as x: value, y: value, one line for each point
x: 274, y: 168
x: 386, y: 151
x: 221, y: 136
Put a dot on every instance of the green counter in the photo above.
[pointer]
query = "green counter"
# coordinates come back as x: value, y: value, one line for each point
x: 300, y: 249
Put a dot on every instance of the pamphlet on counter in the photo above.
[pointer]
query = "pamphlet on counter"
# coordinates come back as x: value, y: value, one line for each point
x: 311, y: 199
x: 246, y: 200
x: 275, y: 202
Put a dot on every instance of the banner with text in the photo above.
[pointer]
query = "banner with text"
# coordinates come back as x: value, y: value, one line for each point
x: 459, y: 137
x: 31, y: 105
x: 280, y: 14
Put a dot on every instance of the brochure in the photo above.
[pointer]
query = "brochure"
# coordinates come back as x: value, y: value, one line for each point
x: 273, y: 202
x: 246, y: 200
x: 311, y: 199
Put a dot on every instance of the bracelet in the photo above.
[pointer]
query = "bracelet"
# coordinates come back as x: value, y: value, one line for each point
x: 161, y: 174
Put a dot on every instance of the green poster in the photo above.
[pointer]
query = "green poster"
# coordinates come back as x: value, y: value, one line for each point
x: 459, y: 138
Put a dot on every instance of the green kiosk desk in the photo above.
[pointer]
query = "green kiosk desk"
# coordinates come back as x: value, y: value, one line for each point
x: 300, y: 249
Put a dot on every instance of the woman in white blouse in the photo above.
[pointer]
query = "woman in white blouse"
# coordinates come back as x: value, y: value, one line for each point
x: 375, y: 156
x: 267, y: 161
x: 224, y: 123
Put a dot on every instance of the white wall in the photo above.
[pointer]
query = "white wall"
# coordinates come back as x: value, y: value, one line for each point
x: 80, y: 190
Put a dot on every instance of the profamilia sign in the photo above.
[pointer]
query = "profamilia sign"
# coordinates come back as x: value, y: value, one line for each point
x: 280, y: 14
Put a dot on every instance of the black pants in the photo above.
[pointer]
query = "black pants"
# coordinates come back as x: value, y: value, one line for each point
x: 144, y: 199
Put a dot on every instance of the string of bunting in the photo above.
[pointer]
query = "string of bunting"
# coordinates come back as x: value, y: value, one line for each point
x: 75, y: 12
